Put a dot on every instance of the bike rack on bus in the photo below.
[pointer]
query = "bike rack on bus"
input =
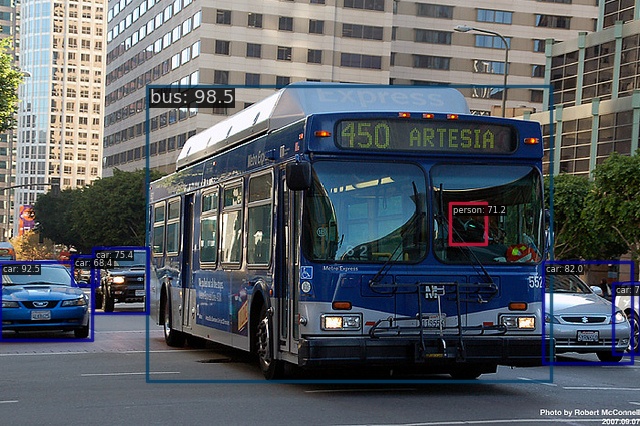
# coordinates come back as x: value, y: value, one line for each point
x: 394, y: 327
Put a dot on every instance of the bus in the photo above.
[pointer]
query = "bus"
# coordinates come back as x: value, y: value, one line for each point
x: 343, y: 225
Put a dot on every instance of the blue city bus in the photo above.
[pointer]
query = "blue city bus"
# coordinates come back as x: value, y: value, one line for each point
x: 347, y: 225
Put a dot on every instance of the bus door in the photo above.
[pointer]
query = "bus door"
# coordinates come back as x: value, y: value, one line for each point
x: 288, y: 265
x: 186, y: 281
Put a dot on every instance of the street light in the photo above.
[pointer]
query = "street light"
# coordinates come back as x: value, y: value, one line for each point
x: 466, y: 28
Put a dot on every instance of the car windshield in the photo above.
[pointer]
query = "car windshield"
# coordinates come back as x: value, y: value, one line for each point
x: 566, y: 284
x: 139, y: 261
x: 48, y: 274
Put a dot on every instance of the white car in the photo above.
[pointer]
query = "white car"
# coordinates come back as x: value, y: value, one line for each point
x: 626, y: 293
x: 583, y: 321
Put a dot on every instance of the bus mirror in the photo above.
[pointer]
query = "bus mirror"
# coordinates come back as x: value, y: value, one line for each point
x: 298, y: 176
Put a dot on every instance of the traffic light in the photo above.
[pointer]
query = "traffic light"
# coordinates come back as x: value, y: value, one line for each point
x: 55, y: 185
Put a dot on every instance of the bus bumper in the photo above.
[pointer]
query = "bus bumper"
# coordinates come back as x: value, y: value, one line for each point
x: 497, y: 350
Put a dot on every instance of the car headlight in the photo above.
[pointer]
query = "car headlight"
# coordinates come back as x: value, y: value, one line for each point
x: 549, y: 319
x: 118, y: 280
x: 619, y: 317
x: 10, y: 304
x: 81, y: 301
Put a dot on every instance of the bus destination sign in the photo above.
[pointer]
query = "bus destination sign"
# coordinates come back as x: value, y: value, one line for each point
x: 425, y: 136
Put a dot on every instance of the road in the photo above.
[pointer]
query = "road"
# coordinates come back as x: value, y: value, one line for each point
x: 105, y: 382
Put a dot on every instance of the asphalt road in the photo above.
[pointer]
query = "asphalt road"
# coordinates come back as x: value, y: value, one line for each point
x: 106, y: 382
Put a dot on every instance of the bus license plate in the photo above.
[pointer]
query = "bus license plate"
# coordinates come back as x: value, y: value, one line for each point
x: 40, y: 315
x: 139, y: 293
x: 433, y: 320
x: 588, y: 336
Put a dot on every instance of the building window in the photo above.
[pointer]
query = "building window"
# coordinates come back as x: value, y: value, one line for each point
x: 497, y: 16
x: 431, y: 62
x: 251, y: 79
x: 434, y: 10
x: 488, y: 67
x: 255, y: 20
x: 537, y: 71
x: 539, y: 45
x: 285, y: 23
x: 491, y: 42
x: 432, y: 36
x: 220, y: 77
x: 314, y: 56
x: 282, y: 81
x: 537, y: 96
x: 552, y: 21
x: 316, y: 27
x: 362, y: 31
x: 284, y: 53
x: 365, y: 4
x: 222, y: 47
x: 316, y: 1
x: 223, y: 17
x: 356, y: 60
x: 254, y: 50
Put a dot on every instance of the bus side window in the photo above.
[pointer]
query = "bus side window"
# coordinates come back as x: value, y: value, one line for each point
x: 157, y: 242
x: 260, y: 219
x: 209, y: 228
x: 231, y: 226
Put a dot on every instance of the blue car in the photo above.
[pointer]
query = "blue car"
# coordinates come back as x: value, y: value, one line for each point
x: 43, y: 297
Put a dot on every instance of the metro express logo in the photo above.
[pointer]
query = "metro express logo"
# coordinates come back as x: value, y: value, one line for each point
x: 465, y: 214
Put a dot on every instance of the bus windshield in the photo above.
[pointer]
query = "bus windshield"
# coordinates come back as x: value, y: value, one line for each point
x: 509, y: 229
x: 365, y: 212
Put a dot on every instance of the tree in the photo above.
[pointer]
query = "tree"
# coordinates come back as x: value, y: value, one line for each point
x: 615, y: 202
x: 109, y: 212
x: 29, y: 247
x: 10, y: 79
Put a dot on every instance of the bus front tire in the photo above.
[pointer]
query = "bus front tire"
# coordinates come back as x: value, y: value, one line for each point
x: 173, y: 338
x: 271, y: 368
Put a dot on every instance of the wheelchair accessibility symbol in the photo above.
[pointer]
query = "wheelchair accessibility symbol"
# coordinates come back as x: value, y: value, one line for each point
x: 306, y: 272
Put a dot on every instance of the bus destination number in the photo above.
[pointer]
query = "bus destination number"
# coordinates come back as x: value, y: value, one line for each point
x: 568, y: 269
x: 427, y: 135
x: 200, y: 97
x: 22, y: 269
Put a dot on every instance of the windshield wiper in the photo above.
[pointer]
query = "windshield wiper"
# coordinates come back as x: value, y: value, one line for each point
x: 416, y: 219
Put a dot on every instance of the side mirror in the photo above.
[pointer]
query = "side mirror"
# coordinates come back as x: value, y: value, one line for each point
x: 298, y: 176
x: 597, y: 290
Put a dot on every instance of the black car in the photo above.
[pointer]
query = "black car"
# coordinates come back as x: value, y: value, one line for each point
x: 124, y: 283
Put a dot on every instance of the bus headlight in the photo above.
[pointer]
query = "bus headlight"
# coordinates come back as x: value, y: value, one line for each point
x: 520, y: 322
x: 340, y: 322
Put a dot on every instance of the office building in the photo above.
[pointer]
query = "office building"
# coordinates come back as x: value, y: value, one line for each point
x: 276, y: 42
x: 595, y: 79
x: 60, y: 114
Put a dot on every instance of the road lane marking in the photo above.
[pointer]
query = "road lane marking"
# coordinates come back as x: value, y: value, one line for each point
x: 106, y: 351
x: 128, y: 374
x: 602, y: 388
x: 538, y: 382
x: 358, y: 390
x: 8, y: 402
x: 489, y: 422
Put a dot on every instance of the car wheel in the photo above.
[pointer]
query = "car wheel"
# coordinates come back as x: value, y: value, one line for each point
x: 98, y: 301
x: 173, y: 338
x: 109, y: 303
x: 635, y: 331
x: 81, y: 333
x: 608, y: 357
x: 271, y: 367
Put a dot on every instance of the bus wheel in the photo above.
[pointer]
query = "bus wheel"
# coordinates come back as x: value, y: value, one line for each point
x: 271, y: 368
x: 173, y: 338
